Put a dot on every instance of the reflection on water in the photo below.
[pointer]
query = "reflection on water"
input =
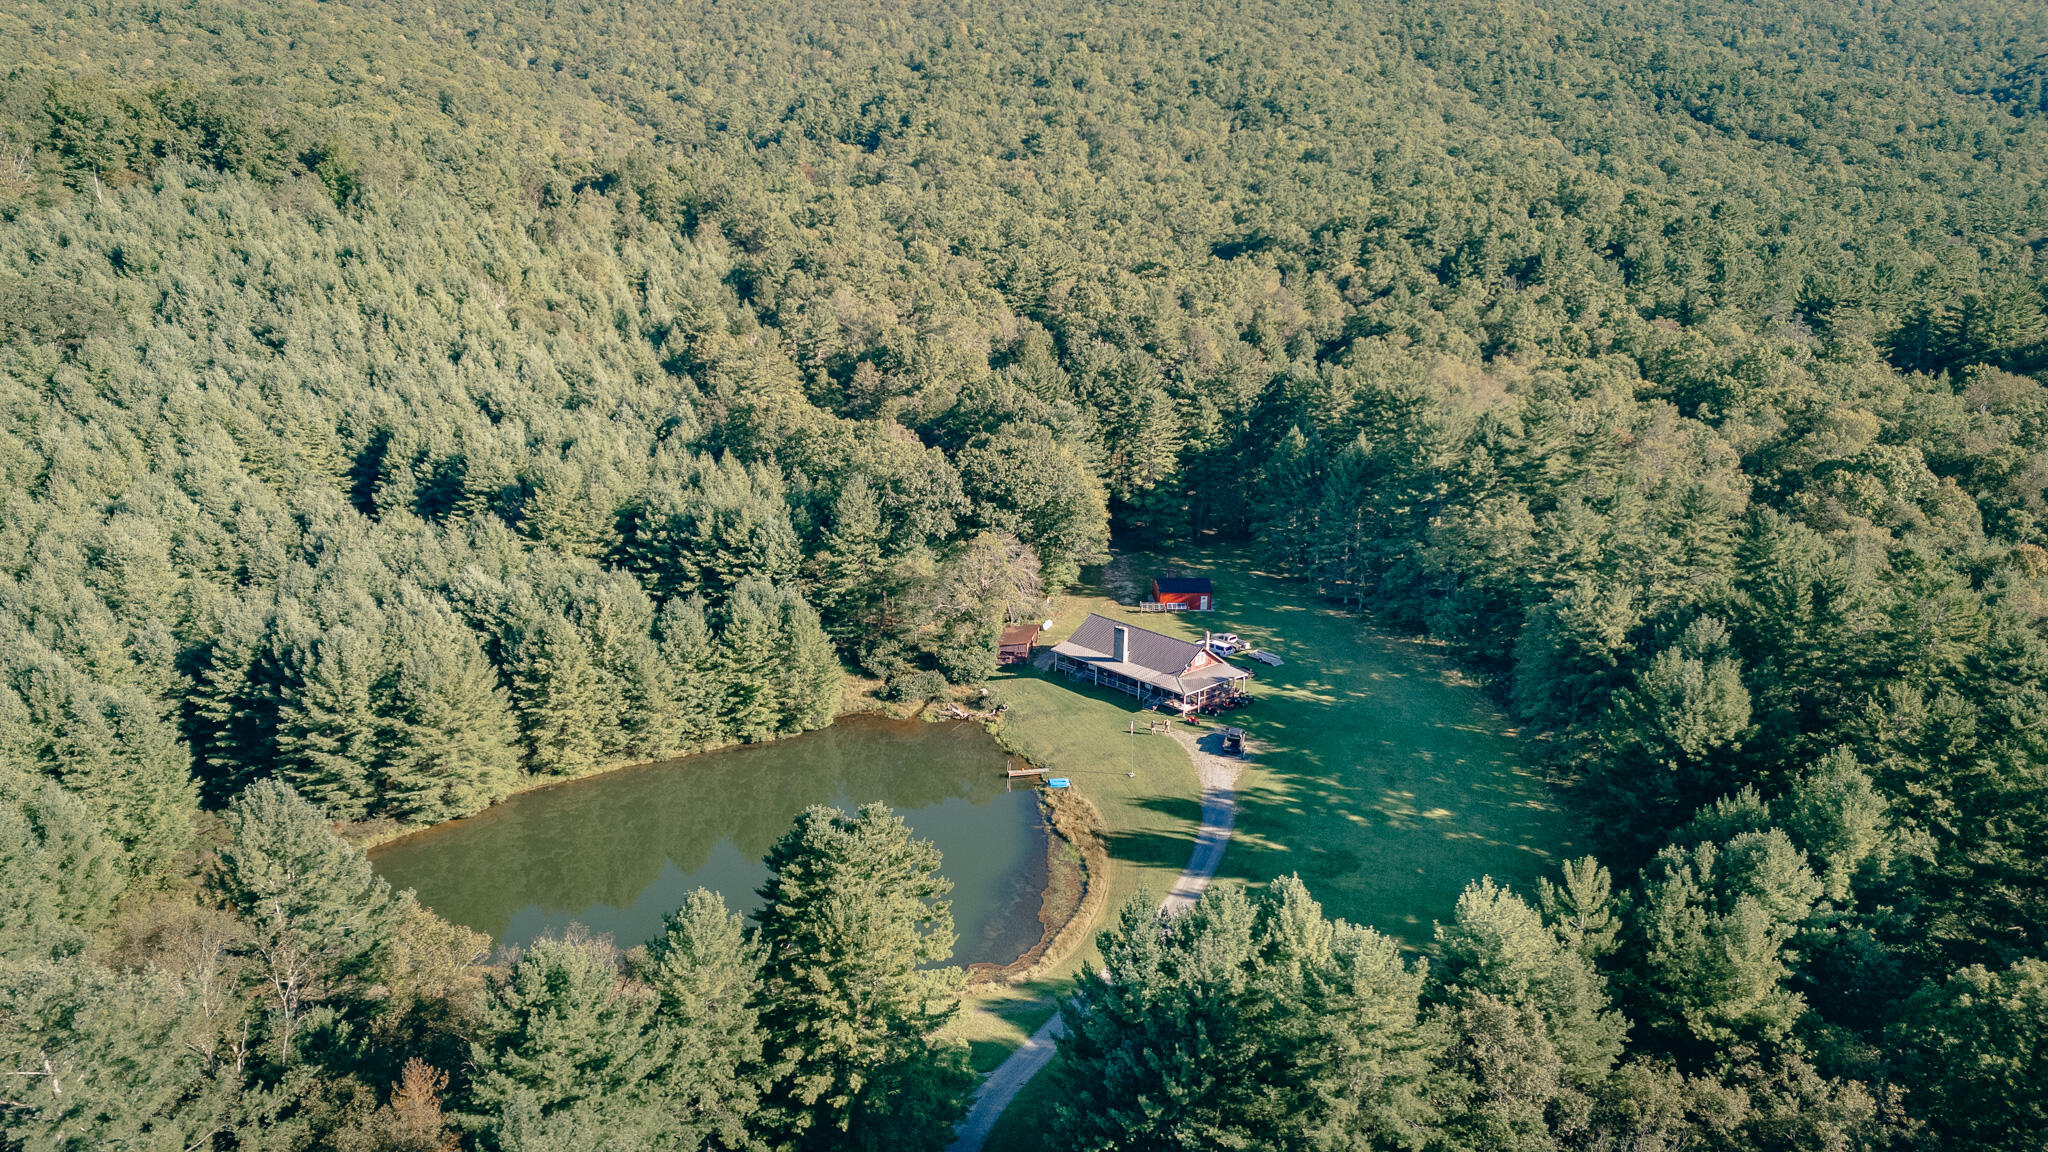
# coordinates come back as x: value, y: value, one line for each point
x: 616, y: 853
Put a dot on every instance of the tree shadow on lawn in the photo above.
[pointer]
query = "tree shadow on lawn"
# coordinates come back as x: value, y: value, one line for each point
x: 1167, y: 851
x: 1391, y: 838
x: 1386, y: 779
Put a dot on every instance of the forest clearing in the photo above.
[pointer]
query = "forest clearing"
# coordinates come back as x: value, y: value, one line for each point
x: 1382, y: 777
x: 1385, y: 778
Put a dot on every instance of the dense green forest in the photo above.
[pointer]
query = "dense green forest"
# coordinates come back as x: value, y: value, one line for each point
x: 401, y: 402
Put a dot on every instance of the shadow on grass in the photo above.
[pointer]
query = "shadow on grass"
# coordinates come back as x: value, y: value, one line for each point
x: 1386, y: 779
x: 1165, y: 850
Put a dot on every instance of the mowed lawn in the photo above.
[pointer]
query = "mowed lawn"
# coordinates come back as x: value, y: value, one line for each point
x: 1145, y: 786
x: 1386, y: 779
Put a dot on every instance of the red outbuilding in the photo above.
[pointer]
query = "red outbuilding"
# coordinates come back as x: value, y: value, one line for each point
x: 1182, y: 594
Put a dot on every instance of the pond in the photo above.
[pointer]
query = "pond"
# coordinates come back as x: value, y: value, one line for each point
x: 617, y: 852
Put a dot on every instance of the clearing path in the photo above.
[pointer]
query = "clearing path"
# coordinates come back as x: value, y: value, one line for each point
x: 1219, y: 812
x: 1003, y: 1083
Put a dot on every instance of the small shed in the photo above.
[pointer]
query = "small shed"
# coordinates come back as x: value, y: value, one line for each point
x: 1018, y: 643
x: 1190, y: 594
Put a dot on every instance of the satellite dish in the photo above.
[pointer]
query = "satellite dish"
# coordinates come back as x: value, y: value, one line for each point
x: 1048, y: 623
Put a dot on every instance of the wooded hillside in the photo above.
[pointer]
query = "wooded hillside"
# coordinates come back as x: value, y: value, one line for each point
x: 405, y: 401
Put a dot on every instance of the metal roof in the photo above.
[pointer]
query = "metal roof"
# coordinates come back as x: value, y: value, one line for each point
x: 1164, y: 662
x: 1181, y: 584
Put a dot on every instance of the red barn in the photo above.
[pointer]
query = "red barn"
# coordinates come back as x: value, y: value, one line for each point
x: 1183, y: 594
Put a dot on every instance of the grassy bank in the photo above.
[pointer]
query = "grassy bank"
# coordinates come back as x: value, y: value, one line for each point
x: 1149, y: 799
x: 1144, y: 786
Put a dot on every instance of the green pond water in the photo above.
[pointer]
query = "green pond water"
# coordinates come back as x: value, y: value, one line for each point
x: 616, y: 853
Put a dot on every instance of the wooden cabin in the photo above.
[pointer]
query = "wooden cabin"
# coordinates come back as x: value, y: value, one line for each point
x: 1156, y: 668
x: 1018, y: 644
x: 1182, y: 594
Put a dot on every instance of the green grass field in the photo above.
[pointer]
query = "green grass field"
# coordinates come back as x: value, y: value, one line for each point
x: 1145, y: 786
x: 1385, y: 778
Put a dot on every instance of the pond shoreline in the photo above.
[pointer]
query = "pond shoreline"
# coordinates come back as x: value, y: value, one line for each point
x: 371, y: 835
x: 1048, y: 898
x: 1077, y: 868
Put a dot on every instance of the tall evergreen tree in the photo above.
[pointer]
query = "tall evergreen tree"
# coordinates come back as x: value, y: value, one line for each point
x: 750, y: 664
x: 705, y: 973
x: 556, y: 696
x: 314, y: 910
x: 853, y: 918
x: 810, y: 675
x: 694, y: 673
x: 59, y: 873
x: 99, y: 1059
x: 1581, y: 909
x: 851, y: 566
x: 1715, y: 924
x: 1241, y: 1025
x: 451, y: 745
x: 326, y: 737
x: 1497, y: 946
x: 1975, y: 1051
x: 566, y: 1053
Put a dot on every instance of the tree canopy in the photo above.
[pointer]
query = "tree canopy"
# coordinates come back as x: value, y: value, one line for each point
x: 399, y: 407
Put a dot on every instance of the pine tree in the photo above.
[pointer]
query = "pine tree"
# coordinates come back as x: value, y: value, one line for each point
x: 411, y: 1121
x: 1668, y: 737
x: 1144, y: 443
x: 810, y: 670
x: 108, y: 745
x: 236, y: 716
x: 327, y: 727
x: 1975, y: 1051
x: 640, y: 688
x: 1245, y: 1024
x: 1836, y: 816
x: 853, y: 915
x: 750, y: 664
x: 1497, y: 946
x: 59, y: 873
x: 1581, y: 909
x: 705, y: 972
x: 1712, y: 930
x: 556, y: 696
x: 562, y: 512
x: 694, y: 672
x: 851, y: 567
x: 450, y: 744
x: 99, y: 1059
x: 567, y: 1055
x: 314, y: 910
